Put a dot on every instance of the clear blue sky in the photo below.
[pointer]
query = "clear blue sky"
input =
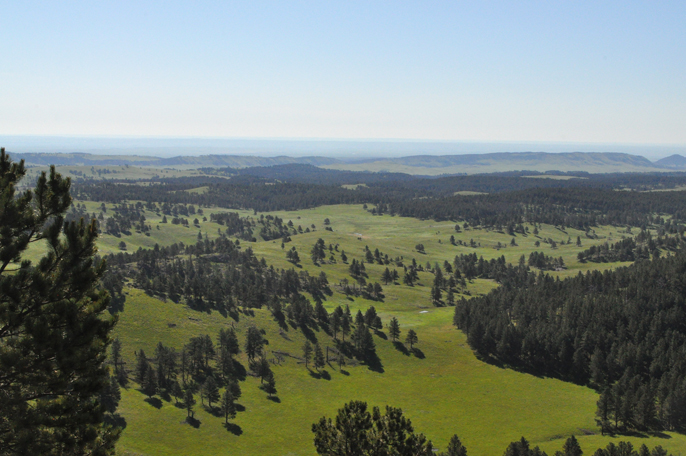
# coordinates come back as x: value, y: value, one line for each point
x: 612, y: 72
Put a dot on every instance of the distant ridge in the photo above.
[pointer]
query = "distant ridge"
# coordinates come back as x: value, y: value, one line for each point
x: 591, y: 162
x: 675, y: 161
x: 233, y: 161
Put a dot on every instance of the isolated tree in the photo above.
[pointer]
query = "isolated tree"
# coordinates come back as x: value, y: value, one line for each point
x: 270, y: 386
x: 455, y: 447
x: 319, y: 361
x: 340, y: 360
x: 263, y: 368
x: 394, y: 329
x: 189, y: 402
x: 149, y: 385
x: 411, y: 338
x: 307, y: 352
x: 228, y: 406
x: 210, y: 390
x: 53, y: 334
x: 116, y: 355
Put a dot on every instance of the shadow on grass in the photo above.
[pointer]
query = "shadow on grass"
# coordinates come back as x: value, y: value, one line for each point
x: 320, y: 375
x: 401, y: 348
x: 418, y: 353
x: 115, y: 420
x: 233, y: 428
x: 214, y: 411
x: 116, y: 303
x: 154, y: 401
x: 193, y: 421
x: 381, y: 334
x: 274, y: 399
x: 239, y: 407
x: 374, y: 362
x: 344, y: 372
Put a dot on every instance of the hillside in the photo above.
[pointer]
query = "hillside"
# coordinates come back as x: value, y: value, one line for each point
x: 500, y: 162
x: 675, y: 161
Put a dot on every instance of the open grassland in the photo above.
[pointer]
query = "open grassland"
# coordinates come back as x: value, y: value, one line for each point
x: 110, y: 172
x: 444, y: 389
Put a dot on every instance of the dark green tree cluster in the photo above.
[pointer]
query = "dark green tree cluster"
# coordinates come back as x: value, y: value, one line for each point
x: 643, y: 247
x: 544, y: 262
x: 621, y: 331
x: 356, y: 431
x: 222, y: 275
x: 53, y: 334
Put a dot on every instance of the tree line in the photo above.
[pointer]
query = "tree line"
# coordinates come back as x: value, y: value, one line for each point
x: 358, y: 430
x: 621, y: 331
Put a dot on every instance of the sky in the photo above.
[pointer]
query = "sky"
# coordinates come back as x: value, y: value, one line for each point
x: 565, y: 72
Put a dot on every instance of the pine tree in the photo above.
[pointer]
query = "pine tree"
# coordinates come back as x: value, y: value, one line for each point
x: 394, y: 329
x: 176, y: 391
x: 235, y: 388
x: 54, y: 311
x: 189, y: 401
x: 228, y: 406
x: 210, y: 390
x: 455, y: 447
x: 335, y: 323
x: 253, y: 342
x: 270, y: 386
x: 572, y: 447
x: 307, y: 352
x: 411, y: 338
x: 319, y: 361
x: 149, y: 385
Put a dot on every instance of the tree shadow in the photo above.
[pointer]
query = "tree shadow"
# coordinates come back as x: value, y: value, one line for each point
x: 344, y: 372
x: 380, y: 334
x: 214, y: 411
x: 115, y: 420
x: 154, y: 401
x: 418, y: 353
x: 274, y: 399
x: 193, y: 421
x: 309, y: 334
x: 240, y: 407
x: 323, y: 375
x: 239, y: 371
x: 233, y: 428
x: 401, y: 348
x: 374, y: 362
x: 116, y: 303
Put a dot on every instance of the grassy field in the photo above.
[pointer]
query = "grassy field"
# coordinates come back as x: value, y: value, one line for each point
x: 445, y: 390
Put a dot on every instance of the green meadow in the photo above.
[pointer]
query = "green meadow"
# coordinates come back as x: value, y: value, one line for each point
x: 443, y: 388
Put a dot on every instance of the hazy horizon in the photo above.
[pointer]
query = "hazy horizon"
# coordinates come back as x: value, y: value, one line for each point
x: 298, y: 147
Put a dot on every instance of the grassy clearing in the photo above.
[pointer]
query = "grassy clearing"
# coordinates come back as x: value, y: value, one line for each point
x: 446, y: 391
